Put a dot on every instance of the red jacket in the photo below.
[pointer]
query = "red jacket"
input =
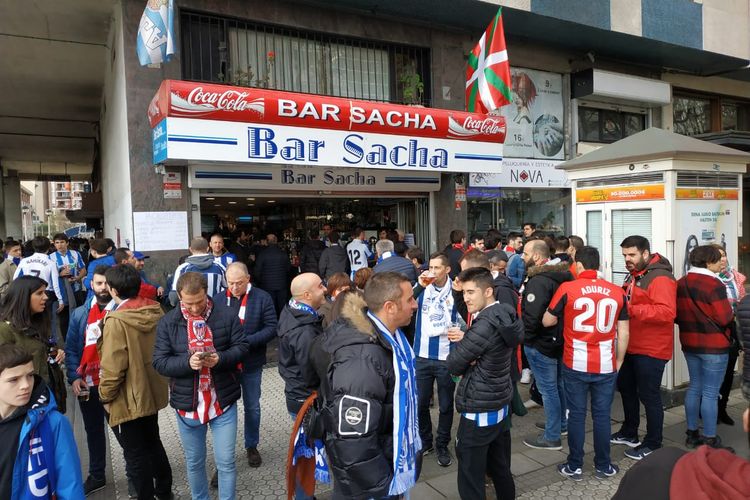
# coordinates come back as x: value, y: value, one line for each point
x: 147, y: 291
x: 652, y: 307
x: 703, y: 313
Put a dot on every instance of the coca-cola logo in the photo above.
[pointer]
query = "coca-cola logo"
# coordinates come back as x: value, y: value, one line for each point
x: 229, y: 100
x: 486, y: 126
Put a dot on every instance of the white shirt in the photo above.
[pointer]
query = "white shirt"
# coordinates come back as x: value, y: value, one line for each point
x: 41, y: 266
x: 358, y: 254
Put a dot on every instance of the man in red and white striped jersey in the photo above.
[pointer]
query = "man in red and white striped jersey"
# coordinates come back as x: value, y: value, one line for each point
x: 594, y: 318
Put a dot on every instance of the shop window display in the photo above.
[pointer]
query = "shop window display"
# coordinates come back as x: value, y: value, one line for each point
x: 508, y: 208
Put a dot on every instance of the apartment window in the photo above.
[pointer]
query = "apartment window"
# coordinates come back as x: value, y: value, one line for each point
x: 735, y: 115
x: 605, y: 125
x: 225, y: 50
x: 691, y: 115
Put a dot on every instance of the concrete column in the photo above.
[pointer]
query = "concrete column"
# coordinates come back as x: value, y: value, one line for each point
x: 11, y: 223
x: 446, y: 212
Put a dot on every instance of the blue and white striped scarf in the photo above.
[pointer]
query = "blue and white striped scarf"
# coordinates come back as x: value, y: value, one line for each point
x: 406, y: 441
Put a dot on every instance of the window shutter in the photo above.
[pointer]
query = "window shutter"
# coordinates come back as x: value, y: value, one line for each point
x: 627, y: 223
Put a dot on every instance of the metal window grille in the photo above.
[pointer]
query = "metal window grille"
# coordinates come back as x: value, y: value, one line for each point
x: 233, y: 51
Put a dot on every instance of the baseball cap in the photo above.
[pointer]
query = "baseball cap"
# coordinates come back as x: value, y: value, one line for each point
x: 139, y: 256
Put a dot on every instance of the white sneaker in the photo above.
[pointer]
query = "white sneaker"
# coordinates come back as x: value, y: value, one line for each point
x: 526, y: 376
x: 531, y: 404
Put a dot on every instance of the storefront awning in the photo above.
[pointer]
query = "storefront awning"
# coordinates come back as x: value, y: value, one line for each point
x: 196, y: 122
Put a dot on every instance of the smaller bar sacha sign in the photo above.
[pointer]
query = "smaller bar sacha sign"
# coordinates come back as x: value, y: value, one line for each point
x: 252, y: 105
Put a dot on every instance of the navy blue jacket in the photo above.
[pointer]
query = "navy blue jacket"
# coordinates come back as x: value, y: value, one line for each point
x: 76, y: 339
x: 398, y: 264
x: 259, y: 327
x: 172, y: 359
x: 516, y: 270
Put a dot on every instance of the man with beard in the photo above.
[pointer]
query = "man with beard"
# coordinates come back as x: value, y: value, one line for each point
x: 82, y: 363
x: 543, y: 345
x: 652, y: 305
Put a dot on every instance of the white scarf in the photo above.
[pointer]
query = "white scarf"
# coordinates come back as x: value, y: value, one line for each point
x: 406, y: 441
x: 435, y: 308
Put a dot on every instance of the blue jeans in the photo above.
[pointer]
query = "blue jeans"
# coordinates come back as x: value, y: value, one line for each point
x: 639, y: 379
x: 428, y: 370
x: 251, y: 381
x: 193, y: 436
x: 706, y: 375
x: 578, y: 385
x: 548, y: 374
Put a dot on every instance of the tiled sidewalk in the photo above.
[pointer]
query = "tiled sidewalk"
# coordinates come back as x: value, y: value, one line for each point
x: 535, y: 471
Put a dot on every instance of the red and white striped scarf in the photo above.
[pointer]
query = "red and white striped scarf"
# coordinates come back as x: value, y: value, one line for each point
x: 201, y: 339
x: 90, y: 365
x: 243, y: 303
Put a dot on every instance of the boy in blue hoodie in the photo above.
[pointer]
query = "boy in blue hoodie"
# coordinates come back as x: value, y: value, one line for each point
x: 39, y: 458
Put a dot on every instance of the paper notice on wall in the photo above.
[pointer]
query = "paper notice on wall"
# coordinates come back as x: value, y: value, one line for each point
x: 703, y: 222
x: 155, y: 231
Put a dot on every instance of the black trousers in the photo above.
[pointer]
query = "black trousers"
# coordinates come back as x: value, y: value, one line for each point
x: 280, y: 298
x: 94, y: 422
x: 145, y: 457
x: 726, y: 385
x: 480, y: 451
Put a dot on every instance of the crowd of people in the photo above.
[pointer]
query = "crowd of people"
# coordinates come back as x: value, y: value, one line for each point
x: 366, y: 329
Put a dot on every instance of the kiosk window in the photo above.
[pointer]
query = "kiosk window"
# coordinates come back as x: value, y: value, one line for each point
x: 627, y: 223
x: 594, y: 229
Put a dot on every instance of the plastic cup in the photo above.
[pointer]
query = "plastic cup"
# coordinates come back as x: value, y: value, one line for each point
x: 84, y: 394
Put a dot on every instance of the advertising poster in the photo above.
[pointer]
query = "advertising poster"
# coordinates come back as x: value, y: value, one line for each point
x: 522, y: 172
x: 534, y: 119
x: 703, y: 222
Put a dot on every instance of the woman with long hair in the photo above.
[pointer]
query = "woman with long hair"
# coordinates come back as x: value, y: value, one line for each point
x: 690, y: 245
x: 24, y: 322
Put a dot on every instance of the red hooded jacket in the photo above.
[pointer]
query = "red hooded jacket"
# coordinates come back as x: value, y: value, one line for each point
x: 652, y: 307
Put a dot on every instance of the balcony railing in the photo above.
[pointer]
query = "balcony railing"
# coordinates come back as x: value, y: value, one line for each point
x: 226, y: 50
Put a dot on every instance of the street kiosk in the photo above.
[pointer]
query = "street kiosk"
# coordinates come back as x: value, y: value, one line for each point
x: 677, y: 191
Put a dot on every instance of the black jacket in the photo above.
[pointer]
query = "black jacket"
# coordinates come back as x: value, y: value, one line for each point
x: 333, y: 260
x: 272, y: 269
x: 454, y: 255
x: 297, y: 330
x: 743, y: 316
x: 486, y: 385
x: 397, y: 264
x: 360, y: 377
x: 259, y: 327
x: 541, y: 284
x: 171, y: 356
x: 505, y: 293
x: 310, y: 256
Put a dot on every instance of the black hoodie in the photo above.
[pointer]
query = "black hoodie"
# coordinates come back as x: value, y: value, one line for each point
x: 297, y: 330
x: 541, y: 284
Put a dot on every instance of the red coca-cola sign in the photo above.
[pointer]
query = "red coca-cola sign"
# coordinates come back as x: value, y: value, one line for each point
x: 253, y: 105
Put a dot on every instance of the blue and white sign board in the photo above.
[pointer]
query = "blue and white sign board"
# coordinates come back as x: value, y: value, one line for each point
x: 223, y: 141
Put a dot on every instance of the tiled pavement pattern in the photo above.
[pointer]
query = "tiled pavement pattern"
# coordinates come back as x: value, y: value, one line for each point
x: 535, y: 471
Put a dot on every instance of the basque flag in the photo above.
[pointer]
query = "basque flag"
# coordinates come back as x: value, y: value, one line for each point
x: 155, y: 42
x: 488, y: 84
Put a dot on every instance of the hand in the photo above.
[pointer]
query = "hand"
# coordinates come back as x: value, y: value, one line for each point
x: 457, y: 285
x: 195, y: 361
x: 425, y: 279
x: 160, y: 292
x: 60, y: 356
x: 78, y: 385
x: 455, y: 334
x: 64, y: 272
x: 211, y: 360
x: 60, y: 306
